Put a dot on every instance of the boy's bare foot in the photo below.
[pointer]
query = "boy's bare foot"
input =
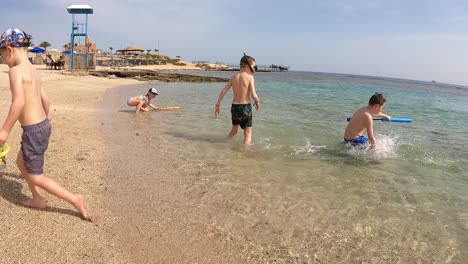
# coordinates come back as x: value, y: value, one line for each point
x: 37, y: 203
x: 248, y: 147
x: 79, y: 205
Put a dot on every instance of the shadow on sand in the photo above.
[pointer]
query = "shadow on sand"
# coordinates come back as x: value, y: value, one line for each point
x: 129, y: 111
x: 10, y: 190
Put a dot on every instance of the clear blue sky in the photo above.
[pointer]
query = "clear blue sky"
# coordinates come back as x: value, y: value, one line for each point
x: 412, y: 39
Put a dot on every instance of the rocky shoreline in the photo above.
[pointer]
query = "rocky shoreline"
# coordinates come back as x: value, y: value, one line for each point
x: 149, y: 75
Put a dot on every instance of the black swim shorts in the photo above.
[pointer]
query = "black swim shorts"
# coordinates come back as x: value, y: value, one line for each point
x: 241, y: 114
x: 34, y: 143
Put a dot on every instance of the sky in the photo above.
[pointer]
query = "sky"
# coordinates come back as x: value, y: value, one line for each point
x: 409, y: 39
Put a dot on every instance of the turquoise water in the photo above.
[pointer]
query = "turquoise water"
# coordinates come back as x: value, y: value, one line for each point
x: 299, y: 194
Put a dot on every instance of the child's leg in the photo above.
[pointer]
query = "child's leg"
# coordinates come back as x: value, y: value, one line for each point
x: 136, y: 103
x: 233, y: 132
x: 138, y: 108
x: 37, y: 200
x: 247, y: 135
x: 54, y: 188
x: 132, y: 103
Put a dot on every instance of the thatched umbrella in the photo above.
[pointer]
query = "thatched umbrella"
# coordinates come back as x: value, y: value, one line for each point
x: 54, y: 53
x: 131, y: 49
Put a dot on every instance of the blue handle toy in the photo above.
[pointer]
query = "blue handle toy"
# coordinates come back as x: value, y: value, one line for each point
x: 393, y: 119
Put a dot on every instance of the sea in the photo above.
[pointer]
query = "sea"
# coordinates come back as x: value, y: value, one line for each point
x: 298, y: 194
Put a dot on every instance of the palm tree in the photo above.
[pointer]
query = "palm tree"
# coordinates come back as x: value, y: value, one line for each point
x: 112, y: 57
x: 44, y: 45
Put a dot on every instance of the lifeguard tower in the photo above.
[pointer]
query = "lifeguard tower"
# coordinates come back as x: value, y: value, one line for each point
x: 79, y: 30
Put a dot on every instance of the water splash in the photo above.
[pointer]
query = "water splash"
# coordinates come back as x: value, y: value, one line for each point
x: 431, y: 157
x: 386, y: 148
x: 290, y: 150
x: 308, y: 149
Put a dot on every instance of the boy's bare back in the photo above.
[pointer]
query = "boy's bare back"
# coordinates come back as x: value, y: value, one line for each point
x: 360, y: 120
x: 241, y: 86
x: 26, y: 84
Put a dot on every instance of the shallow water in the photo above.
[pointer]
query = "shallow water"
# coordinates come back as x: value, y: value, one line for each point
x: 299, y: 194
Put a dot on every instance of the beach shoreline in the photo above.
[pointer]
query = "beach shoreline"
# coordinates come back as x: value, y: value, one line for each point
x: 161, y: 189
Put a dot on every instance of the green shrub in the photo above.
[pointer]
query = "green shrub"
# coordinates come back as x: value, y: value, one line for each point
x: 172, y: 61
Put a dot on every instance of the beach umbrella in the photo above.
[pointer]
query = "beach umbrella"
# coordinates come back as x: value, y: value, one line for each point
x: 37, y: 50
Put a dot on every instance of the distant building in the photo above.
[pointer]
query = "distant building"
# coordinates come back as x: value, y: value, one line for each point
x: 82, y: 48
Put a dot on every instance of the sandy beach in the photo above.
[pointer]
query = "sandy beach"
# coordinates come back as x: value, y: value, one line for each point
x: 76, y: 158
x: 79, y: 158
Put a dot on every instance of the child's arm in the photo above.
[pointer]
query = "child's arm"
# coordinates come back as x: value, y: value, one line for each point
x: 221, y: 96
x: 153, y: 106
x: 384, y: 116
x: 370, y: 129
x: 17, y: 103
x: 254, y: 95
x: 45, y: 102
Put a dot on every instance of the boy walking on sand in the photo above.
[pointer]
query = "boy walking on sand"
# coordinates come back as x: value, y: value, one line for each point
x: 362, y: 120
x: 243, y: 88
x: 30, y: 106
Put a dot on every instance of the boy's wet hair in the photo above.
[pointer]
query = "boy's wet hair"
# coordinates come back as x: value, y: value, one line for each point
x: 246, y: 60
x: 377, y: 99
x: 14, y: 37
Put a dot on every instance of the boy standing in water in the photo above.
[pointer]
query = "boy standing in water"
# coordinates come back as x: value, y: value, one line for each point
x: 30, y: 106
x: 243, y: 88
x: 362, y: 120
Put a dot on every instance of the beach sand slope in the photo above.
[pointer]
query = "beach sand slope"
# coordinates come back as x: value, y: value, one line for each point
x: 76, y: 158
